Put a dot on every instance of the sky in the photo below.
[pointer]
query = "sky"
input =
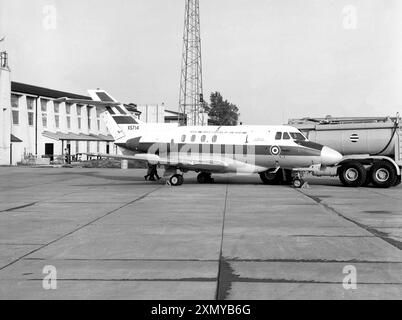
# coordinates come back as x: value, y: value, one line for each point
x: 274, y: 59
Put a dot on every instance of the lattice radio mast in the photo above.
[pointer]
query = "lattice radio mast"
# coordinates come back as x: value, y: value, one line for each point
x: 191, y: 90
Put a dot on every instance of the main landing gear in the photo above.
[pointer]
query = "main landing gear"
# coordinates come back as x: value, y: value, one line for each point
x: 282, y: 177
x: 205, y: 177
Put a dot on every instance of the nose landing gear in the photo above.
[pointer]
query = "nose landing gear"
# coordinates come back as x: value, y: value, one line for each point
x: 298, y: 181
x: 176, y: 180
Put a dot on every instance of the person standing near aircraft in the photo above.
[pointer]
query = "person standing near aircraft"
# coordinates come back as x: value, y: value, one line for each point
x: 154, y: 172
x: 149, y: 173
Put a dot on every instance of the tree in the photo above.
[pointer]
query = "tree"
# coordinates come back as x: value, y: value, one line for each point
x: 222, y: 112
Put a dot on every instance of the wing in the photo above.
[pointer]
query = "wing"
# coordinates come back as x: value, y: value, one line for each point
x: 212, y: 165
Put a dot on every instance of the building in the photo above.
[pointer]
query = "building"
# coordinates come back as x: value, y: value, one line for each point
x: 46, y: 128
x: 152, y: 113
x: 173, y: 116
x: 34, y: 127
x: 5, y: 111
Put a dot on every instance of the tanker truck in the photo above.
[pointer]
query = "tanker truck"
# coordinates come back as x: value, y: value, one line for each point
x: 372, y: 148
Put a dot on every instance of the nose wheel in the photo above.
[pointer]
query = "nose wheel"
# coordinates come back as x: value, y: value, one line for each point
x: 298, y: 183
x: 176, y: 180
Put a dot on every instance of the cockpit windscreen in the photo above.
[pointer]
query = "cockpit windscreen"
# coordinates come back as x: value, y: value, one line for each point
x: 298, y: 136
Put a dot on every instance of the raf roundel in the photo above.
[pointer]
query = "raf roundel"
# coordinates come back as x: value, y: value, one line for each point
x: 275, y: 150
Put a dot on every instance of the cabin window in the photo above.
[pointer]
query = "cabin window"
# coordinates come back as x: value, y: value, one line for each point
x: 203, y: 138
x: 183, y: 138
x: 214, y: 139
x: 286, y: 136
x: 193, y: 138
x: 278, y: 136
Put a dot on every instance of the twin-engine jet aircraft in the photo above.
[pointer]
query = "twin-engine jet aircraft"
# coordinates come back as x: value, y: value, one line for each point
x: 277, y: 153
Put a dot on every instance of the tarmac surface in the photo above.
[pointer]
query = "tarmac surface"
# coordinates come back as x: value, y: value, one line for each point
x: 111, y: 235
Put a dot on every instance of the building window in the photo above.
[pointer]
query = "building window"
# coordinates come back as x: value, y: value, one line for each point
x: 43, y: 105
x: 69, y: 123
x: 15, y: 101
x: 30, y: 103
x: 98, y: 115
x: 88, y: 146
x: 203, y: 138
x: 30, y: 119
x: 89, y: 117
x: 77, y: 147
x: 79, y: 124
x: 183, y: 138
x: 98, y: 146
x: 16, y: 117
x: 214, y: 139
x: 56, y: 107
x: 79, y: 110
x: 57, y: 121
x: 193, y: 137
x: 68, y: 108
x: 44, y: 120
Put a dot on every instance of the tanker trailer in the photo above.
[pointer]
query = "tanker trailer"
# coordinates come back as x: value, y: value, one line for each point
x: 372, y: 148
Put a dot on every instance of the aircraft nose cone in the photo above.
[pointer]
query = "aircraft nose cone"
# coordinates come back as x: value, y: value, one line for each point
x: 330, y: 156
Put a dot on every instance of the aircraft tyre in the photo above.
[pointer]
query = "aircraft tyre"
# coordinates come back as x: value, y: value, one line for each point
x: 204, y: 177
x: 176, y: 180
x: 298, y: 183
x: 383, y: 175
x: 352, y: 174
x: 270, y: 178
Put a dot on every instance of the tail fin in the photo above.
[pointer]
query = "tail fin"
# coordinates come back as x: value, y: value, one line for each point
x: 118, y: 119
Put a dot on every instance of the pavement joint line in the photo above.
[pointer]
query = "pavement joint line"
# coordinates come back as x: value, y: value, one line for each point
x: 237, y: 280
x: 221, y: 260
x: 381, y: 194
x: 376, y: 233
x: 35, y: 185
x: 310, y: 261
x: 19, y: 207
x: 227, y: 260
x: 82, y: 227
x: 22, y: 244
x: 33, y: 204
x: 122, y: 260
x: 134, y: 280
x: 323, y: 236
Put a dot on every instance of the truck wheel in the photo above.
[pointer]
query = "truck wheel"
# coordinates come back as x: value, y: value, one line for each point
x: 383, y: 175
x: 398, y: 181
x: 352, y: 174
x: 272, y: 178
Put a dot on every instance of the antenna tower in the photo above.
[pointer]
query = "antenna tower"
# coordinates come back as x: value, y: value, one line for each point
x: 191, y: 91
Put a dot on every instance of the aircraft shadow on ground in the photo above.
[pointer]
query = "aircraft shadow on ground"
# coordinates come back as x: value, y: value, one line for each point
x: 247, y: 180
